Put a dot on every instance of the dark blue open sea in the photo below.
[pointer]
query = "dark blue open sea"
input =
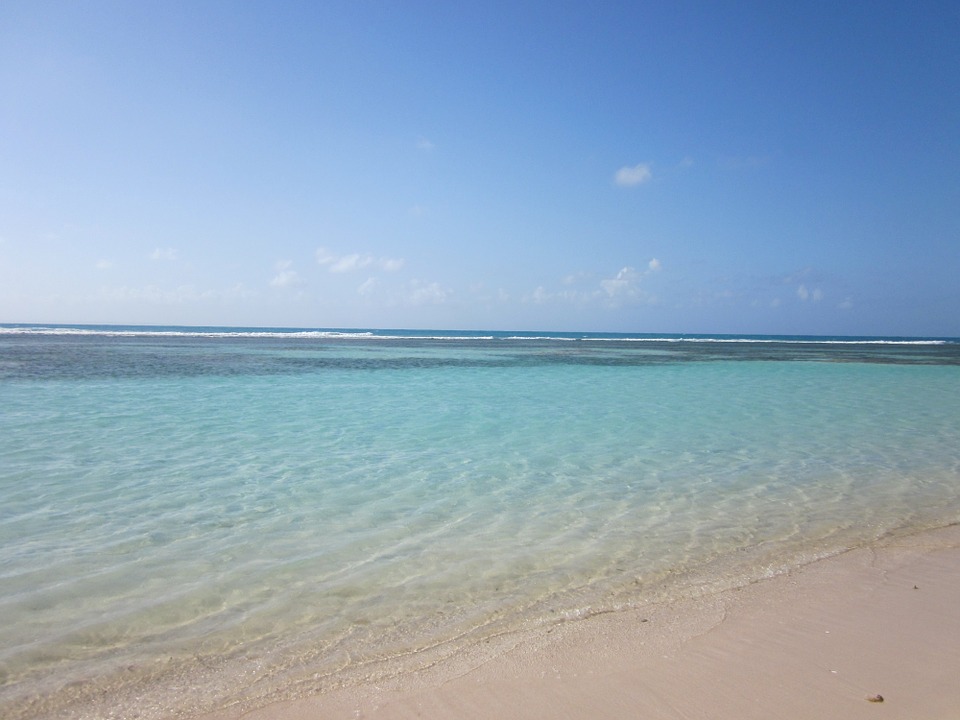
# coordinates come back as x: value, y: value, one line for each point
x: 194, y: 515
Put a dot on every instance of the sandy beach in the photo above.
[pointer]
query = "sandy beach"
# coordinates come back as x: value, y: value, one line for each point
x: 828, y: 640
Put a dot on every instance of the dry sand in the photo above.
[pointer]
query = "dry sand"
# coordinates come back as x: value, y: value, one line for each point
x: 814, y: 643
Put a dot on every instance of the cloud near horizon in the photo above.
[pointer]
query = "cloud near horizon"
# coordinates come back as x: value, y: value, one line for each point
x: 179, y: 295
x: 421, y: 293
x: 624, y: 287
x: 622, y: 283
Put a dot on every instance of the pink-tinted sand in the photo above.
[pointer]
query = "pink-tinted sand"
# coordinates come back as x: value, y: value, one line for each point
x: 821, y: 642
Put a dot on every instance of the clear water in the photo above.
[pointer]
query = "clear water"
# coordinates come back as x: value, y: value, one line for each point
x: 190, y: 516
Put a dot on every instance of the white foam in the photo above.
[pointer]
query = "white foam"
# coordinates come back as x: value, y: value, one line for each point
x: 121, y: 331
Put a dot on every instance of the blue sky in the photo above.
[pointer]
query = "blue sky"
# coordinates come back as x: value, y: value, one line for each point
x: 737, y: 167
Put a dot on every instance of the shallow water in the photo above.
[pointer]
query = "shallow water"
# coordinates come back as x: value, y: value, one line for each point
x: 248, y: 512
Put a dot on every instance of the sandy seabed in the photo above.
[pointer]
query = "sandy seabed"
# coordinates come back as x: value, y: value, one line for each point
x: 870, y: 633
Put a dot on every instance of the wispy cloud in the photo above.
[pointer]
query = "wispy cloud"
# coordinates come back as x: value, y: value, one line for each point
x: 391, y: 264
x: 582, y: 289
x: 576, y: 278
x: 324, y: 256
x: 421, y: 293
x: 164, y: 254
x: 285, y: 275
x: 356, y: 261
x: 626, y: 283
x: 623, y: 284
x: 349, y: 263
x: 630, y: 176
x: 104, y: 264
x: 180, y: 295
x: 540, y: 295
x: 424, y: 144
x: 816, y: 295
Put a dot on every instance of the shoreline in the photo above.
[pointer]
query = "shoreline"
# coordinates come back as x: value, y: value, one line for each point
x: 817, y: 641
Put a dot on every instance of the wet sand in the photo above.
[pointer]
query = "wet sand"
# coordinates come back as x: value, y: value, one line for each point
x: 828, y: 640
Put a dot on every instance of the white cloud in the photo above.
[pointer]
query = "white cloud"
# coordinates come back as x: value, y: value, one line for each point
x: 846, y: 304
x: 349, y: 263
x: 804, y: 294
x: 168, y: 254
x: 577, y: 278
x: 427, y: 293
x: 391, y: 264
x: 817, y: 295
x: 324, y: 256
x: 627, y: 281
x: 630, y: 176
x: 286, y: 276
x: 424, y: 144
x: 104, y: 264
x: 368, y: 286
x: 775, y: 303
x: 622, y: 284
x: 541, y: 296
x: 356, y: 261
x: 581, y: 289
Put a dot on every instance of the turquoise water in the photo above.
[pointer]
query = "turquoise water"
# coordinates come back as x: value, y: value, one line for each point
x: 193, y: 515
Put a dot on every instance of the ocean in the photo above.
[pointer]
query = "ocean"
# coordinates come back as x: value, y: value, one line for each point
x: 195, y: 516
